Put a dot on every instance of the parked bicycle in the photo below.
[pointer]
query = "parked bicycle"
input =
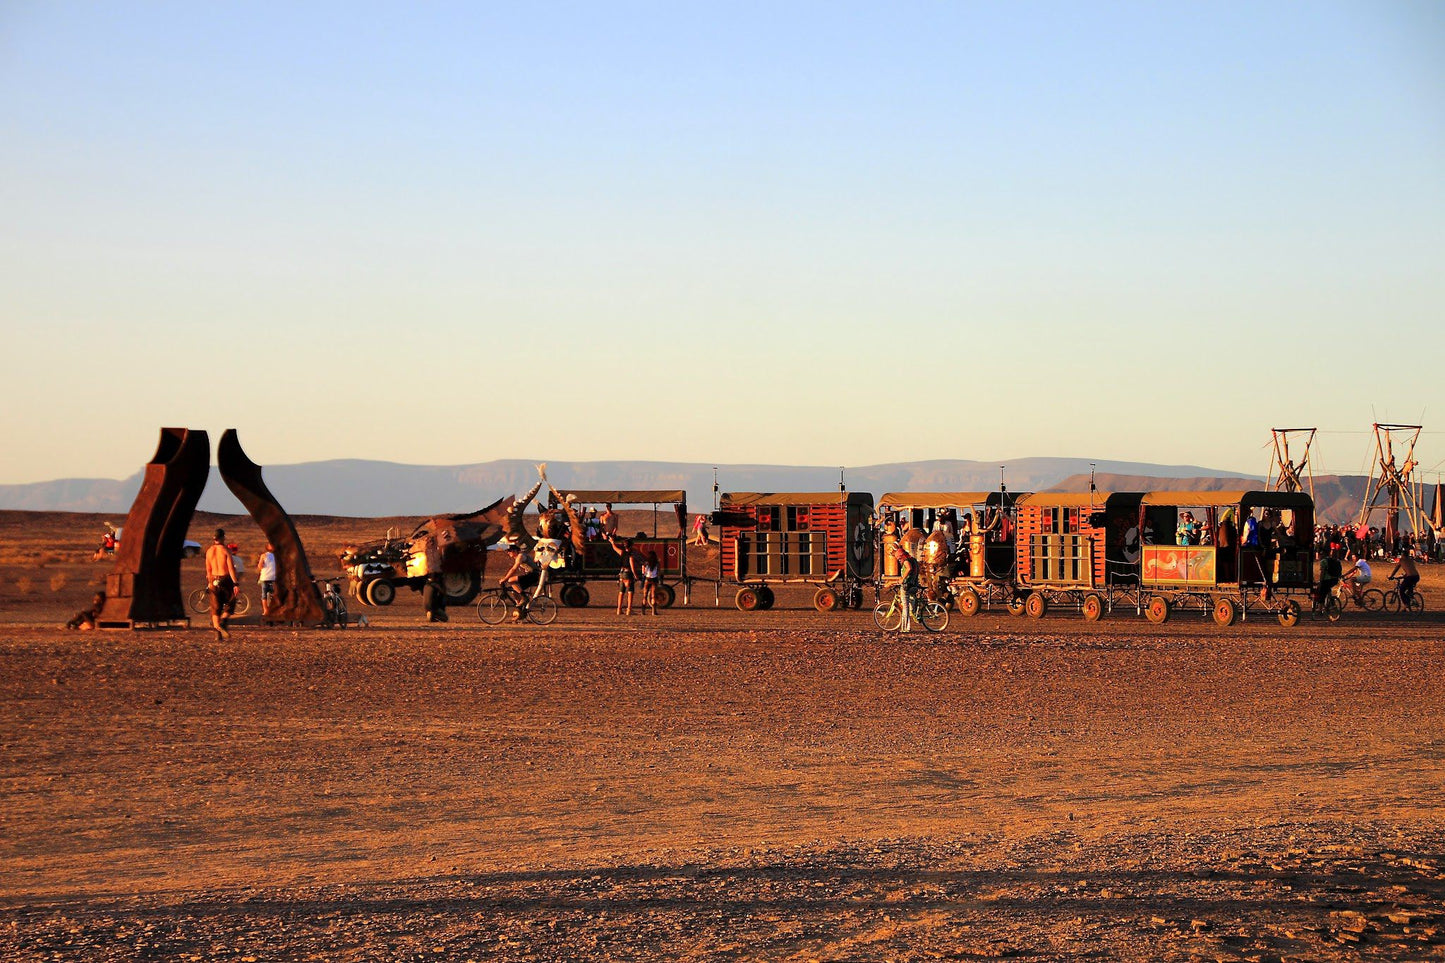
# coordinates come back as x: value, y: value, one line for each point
x: 890, y: 615
x: 497, y: 605
x: 200, y: 601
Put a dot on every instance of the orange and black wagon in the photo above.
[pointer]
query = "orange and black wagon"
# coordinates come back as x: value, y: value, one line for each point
x: 981, y: 530
x: 1078, y: 549
x: 823, y: 539
x: 1235, y: 553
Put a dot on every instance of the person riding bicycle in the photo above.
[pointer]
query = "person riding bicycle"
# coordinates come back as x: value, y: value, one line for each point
x: 1358, y: 575
x: 1329, y: 576
x: 1409, y: 577
x: 522, y: 575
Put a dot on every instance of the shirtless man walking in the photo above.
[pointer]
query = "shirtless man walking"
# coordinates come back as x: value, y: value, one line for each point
x: 221, y: 580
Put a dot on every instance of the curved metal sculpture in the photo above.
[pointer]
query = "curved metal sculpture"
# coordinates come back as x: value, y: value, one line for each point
x: 144, y: 587
x: 297, y: 598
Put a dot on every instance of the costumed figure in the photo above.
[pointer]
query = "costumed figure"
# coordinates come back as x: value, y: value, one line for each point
x: 935, y: 564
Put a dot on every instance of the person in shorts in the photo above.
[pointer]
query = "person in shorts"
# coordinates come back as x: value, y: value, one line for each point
x: 523, y: 576
x: 627, y: 572
x: 651, y: 579
x: 1358, y: 574
x: 221, y: 583
x: 1409, y: 577
x: 266, y: 575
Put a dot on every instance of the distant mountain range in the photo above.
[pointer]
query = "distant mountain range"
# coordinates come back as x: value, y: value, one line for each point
x: 378, y: 488
x: 372, y: 489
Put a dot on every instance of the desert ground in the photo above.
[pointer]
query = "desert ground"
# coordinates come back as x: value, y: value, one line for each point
x: 708, y: 784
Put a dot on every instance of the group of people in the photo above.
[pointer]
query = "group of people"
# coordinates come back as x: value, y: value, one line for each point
x: 531, y: 559
x: 1368, y: 541
x: 223, y: 580
x: 1337, y: 566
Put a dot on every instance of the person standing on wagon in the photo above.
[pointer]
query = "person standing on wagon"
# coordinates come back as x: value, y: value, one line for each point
x: 221, y: 580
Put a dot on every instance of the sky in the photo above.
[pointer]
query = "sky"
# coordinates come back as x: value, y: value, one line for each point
x: 789, y: 233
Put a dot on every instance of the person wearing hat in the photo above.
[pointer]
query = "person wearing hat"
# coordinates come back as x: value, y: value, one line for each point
x: 523, y: 574
x: 221, y: 581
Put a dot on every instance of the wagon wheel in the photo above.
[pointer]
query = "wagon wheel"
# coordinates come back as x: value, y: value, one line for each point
x: 1225, y: 611
x: 825, y: 600
x: 747, y: 600
x: 1093, y: 607
x: 1157, y: 611
x: 461, y: 587
x: 967, y: 602
x: 766, y: 598
x: 1036, y: 606
x: 380, y: 592
x: 666, y: 595
x: 1015, y: 605
x: 1289, y: 615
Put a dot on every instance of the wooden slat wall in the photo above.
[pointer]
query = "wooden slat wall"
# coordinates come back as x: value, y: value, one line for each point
x: 1032, y: 521
x: 831, y: 518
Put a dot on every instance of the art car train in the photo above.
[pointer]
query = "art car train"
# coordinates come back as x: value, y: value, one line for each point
x: 1229, y: 554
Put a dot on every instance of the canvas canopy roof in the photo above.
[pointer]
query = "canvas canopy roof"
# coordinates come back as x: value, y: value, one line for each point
x: 941, y: 499
x: 642, y: 496
x: 1261, y: 499
x: 737, y: 499
x: 1072, y: 499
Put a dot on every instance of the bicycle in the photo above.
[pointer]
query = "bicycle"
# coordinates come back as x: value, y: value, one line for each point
x: 1390, y: 601
x: 1332, y: 608
x: 930, y: 613
x: 495, y: 605
x: 200, y: 601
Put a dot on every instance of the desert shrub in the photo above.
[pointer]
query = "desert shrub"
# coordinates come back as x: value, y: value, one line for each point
x: 58, y: 581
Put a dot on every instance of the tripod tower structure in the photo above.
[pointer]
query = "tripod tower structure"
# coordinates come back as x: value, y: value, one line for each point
x: 1285, y: 473
x: 1394, y: 485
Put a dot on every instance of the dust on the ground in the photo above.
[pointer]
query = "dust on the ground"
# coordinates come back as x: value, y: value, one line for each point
x: 706, y: 783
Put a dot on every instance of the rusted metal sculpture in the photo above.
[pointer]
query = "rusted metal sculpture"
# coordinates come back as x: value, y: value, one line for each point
x: 297, y: 599
x: 144, y: 587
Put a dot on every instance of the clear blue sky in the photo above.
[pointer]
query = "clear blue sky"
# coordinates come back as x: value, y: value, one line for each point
x: 796, y: 233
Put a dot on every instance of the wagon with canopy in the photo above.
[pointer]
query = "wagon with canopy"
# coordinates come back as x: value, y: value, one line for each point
x: 1078, y: 549
x: 822, y: 539
x: 965, y: 541
x: 1244, y: 551
x: 597, y: 561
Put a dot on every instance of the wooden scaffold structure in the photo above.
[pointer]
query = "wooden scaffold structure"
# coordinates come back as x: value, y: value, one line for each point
x: 1393, y: 482
x: 1285, y: 473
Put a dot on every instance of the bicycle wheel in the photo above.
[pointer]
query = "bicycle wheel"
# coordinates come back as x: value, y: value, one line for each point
x: 542, y: 610
x: 1334, y: 609
x: 201, y: 600
x: 888, y: 616
x: 934, y: 616
x: 1372, y: 600
x: 1392, y: 601
x: 492, y: 608
x: 243, y: 603
x: 1417, y: 603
